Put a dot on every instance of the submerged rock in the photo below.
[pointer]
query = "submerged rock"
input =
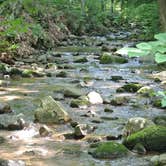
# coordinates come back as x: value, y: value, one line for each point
x: 95, y: 98
x: 51, y: 111
x: 109, y: 150
x: 136, y: 124
x: 152, y: 138
x: 5, y: 108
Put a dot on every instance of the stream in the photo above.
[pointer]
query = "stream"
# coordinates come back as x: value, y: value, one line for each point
x: 23, y: 95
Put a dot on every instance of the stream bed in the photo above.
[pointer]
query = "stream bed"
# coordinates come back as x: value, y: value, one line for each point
x: 23, y: 95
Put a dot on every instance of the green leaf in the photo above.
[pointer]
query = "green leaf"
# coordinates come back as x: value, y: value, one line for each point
x: 160, y: 58
x: 161, y: 37
x: 126, y: 50
x: 144, y: 46
x: 161, y: 49
x: 163, y: 102
x: 161, y: 93
x: 138, y: 53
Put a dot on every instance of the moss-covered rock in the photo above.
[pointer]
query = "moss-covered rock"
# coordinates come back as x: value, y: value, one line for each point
x: 108, y: 59
x: 109, y: 150
x: 81, y: 60
x: 73, y: 92
x: 80, y: 102
x: 152, y: 138
x: 130, y: 87
x: 31, y: 73
x: 146, y: 91
x: 51, y: 112
x: 118, y: 101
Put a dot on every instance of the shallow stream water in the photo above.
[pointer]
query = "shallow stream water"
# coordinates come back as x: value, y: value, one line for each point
x: 23, y: 95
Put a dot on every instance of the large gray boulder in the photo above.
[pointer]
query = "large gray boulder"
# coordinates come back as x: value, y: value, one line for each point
x: 51, y: 112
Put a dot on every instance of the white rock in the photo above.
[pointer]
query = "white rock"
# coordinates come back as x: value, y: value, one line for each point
x: 95, y: 98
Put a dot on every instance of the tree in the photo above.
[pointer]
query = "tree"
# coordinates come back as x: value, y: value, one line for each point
x: 162, y: 6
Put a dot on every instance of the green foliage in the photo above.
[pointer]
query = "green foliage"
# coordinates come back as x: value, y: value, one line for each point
x: 156, y: 48
x: 144, y: 15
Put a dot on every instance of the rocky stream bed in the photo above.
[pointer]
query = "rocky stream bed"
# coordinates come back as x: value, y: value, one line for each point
x: 88, y: 95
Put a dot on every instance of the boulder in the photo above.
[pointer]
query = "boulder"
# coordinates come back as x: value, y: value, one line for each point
x: 152, y: 138
x: 136, y: 124
x: 51, y: 112
x: 109, y: 150
x: 5, y: 108
x: 95, y: 98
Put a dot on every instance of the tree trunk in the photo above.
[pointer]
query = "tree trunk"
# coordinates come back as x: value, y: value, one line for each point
x: 162, y: 7
x: 83, y: 7
x: 112, y: 6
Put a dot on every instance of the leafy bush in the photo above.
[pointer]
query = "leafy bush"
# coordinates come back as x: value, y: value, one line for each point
x: 156, y: 48
x: 146, y: 16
